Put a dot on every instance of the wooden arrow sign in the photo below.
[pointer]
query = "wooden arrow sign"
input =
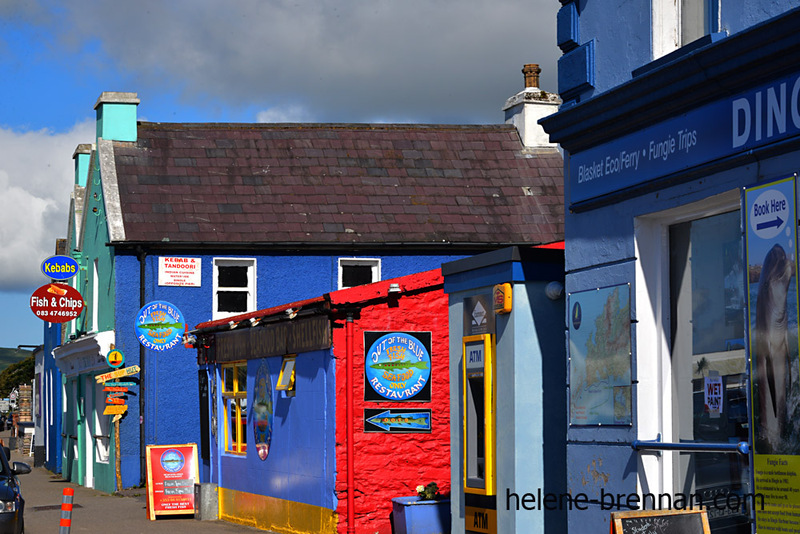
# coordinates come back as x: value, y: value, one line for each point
x: 128, y: 371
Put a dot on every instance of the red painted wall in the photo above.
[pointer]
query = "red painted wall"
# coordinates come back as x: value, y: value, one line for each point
x: 392, y: 465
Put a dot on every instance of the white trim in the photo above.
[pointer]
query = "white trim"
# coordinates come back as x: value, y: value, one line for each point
x: 95, y: 296
x: 88, y: 408
x: 85, y: 354
x: 666, y: 21
x: 102, y: 427
x: 375, y: 263
x: 108, y: 181
x: 652, y: 297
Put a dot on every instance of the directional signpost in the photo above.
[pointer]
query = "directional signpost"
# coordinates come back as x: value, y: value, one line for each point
x: 119, y: 373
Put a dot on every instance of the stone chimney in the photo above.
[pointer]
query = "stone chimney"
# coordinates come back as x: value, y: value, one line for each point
x: 116, y: 116
x: 82, y: 156
x: 524, y: 109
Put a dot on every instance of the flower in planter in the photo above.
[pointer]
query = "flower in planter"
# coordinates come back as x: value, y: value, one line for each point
x: 429, y: 492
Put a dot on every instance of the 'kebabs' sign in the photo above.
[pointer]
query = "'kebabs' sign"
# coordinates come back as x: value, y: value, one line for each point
x: 60, y: 267
x: 56, y: 303
x: 397, y: 366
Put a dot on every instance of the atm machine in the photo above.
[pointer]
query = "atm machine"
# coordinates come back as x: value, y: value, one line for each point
x: 478, y: 433
x: 507, y: 389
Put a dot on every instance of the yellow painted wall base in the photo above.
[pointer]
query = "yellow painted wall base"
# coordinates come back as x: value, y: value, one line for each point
x: 278, y: 515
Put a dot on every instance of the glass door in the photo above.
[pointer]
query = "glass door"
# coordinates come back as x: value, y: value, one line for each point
x: 709, y: 367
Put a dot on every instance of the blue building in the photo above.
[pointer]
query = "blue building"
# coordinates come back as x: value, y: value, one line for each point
x: 680, y: 123
x: 224, y: 219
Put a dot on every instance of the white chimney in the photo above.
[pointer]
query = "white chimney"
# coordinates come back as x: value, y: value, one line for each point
x: 524, y: 109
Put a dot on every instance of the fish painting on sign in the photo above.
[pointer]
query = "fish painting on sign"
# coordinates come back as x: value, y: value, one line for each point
x: 262, y: 411
x: 397, y: 366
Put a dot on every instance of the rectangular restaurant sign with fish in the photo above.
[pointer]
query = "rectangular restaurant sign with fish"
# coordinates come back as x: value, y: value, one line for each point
x: 397, y: 421
x: 397, y: 366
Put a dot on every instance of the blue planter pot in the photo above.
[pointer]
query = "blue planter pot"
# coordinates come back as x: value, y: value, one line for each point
x: 413, y: 516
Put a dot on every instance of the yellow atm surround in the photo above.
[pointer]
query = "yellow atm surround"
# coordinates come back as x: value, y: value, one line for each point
x: 479, y: 405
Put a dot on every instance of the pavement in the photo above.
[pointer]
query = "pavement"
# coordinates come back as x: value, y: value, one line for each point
x: 98, y: 512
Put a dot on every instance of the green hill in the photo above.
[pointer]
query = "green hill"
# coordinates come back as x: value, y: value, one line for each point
x: 9, y: 357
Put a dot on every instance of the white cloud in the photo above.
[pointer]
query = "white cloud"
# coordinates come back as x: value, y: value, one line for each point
x: 36, y: 178
x: 293, y: 113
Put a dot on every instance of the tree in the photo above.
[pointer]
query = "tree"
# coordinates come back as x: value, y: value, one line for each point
x: 16, y: 374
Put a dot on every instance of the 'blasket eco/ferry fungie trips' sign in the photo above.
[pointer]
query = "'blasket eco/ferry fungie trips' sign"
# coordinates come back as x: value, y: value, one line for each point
x: 56, y: 303
x: 397, y: 366
x: 59, y: 267
x: 159, y: 325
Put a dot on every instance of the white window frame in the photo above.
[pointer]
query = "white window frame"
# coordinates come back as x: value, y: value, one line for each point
x: 375, y: 263
x: 653, y: 357
x: 95, y: 297
x: 667, y: 32
x: 250, y: 263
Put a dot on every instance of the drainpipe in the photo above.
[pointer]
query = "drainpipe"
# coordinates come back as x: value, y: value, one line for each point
x: 141, y: 254
x: 349, y: 386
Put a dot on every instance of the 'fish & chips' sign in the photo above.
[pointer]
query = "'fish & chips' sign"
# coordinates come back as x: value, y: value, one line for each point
x: 56, y: 303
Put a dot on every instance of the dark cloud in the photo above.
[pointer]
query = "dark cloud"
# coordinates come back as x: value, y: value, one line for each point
x: 339, y: 60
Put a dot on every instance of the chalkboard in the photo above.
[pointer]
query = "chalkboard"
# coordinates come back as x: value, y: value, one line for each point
x: 660, y: 522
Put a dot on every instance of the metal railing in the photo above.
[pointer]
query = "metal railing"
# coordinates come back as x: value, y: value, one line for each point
x: 741, y: 447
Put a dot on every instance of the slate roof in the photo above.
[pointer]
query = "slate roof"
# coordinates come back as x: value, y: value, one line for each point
x: 318, y: 185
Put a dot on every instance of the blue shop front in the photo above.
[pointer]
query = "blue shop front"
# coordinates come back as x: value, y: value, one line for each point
x: 681, y: 286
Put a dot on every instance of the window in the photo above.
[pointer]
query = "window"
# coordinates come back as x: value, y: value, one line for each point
x: 707, y: 300
x: 234, y: 398
x: 678, y: 23
x: 234, y: 286
x: 286, y: 378
x: 698, y: 18
x: 358, y: 272
x: 690, y: 298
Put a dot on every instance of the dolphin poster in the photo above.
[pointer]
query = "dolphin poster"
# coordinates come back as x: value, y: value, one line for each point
x: 771, y: 232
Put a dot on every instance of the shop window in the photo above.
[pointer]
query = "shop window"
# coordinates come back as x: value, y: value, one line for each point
x: 286, y: 378
x: 234, y: 286
x: 358, y: 272
x: 234, y: 398
x: 707, y: 300
x: 690, y: 297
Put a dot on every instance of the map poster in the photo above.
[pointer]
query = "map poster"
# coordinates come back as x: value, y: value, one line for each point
x: 171, y: 475
x: 600, y: 356
x: 775, y: 391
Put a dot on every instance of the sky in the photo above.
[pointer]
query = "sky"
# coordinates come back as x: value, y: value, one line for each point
x: 353, y: 61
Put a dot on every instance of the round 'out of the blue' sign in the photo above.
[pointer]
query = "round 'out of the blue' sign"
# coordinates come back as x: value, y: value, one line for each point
x: 59, y: 267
